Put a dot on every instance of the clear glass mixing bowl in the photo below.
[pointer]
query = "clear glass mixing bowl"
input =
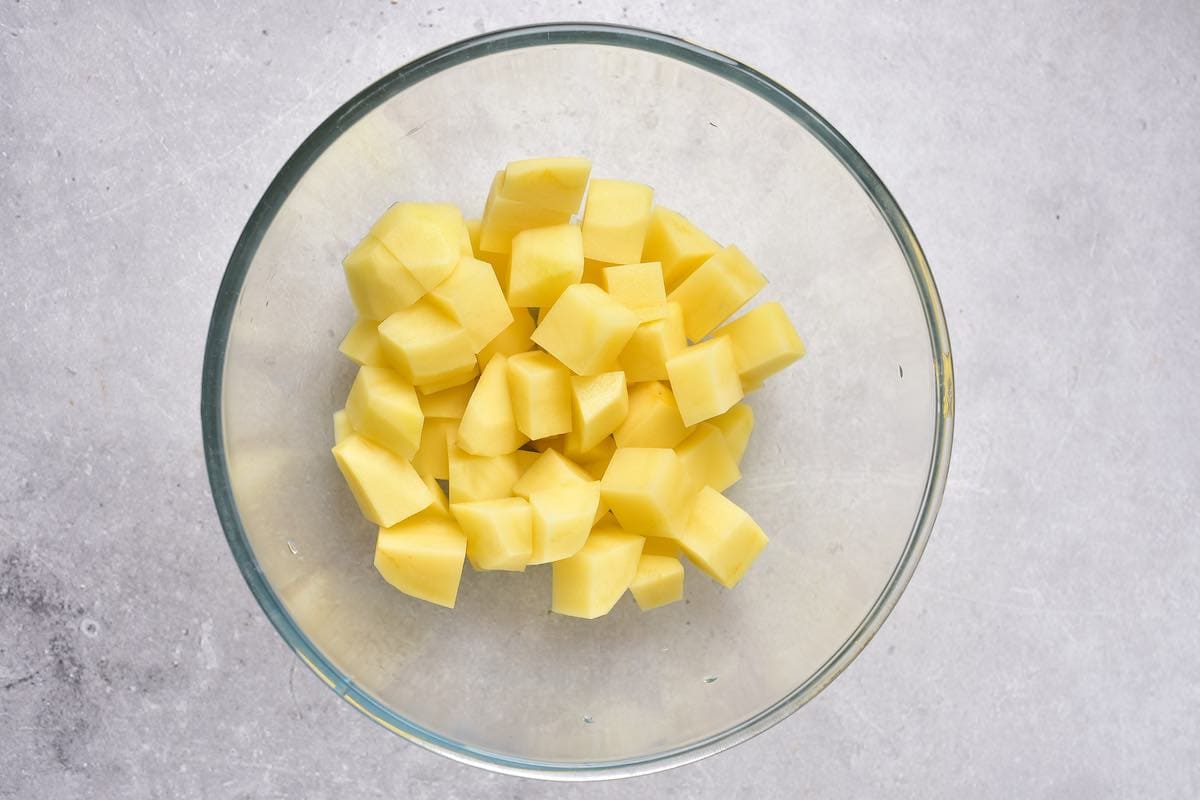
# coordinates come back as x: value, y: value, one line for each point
x: 845, y: 471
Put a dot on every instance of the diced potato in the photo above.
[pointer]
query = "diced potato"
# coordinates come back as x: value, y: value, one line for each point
x: 512, y: 340
x: 585, y: 329
x: 593, y: 271
x: 647, y: 491
x: 465, y: 374
x: 504, y: 218
x: 657, y: 582
x: 720, y: 538
x: 679, y: 245
x: 545, y: 261
x: 597, y: 469
x: 383, y: 407
x: 718, y: 288
x: 475, y: 478
x: 427, y: 347
x: 341, y: 425
x: 361, y: 344
x: 705, y: 380
x: 601, y: 452
x: 653, y: 419
x: 707, y: 459
x: 658, y: 337
x: 615, y: 219
x: 599, y: 404
x: 425, y: 237
x: 432, y: 456
x: 736, y: 424
x: 658, y: 546
x: 635, y: 285
x: 764, y: 342
x: 488, y: 426
x: 379, y: 284
x: 423, y: 557
x: 557, y: 183
x: 385, y: 485
x: 589, y: 583
x: 541, y: 394
x: 448, y: 403
x: 551, y: 470
x: 499, y: 533
x: 562, y: 518
x: 471, y: 296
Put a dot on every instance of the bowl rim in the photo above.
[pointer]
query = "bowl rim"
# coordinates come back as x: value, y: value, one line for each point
x: 537, y: 35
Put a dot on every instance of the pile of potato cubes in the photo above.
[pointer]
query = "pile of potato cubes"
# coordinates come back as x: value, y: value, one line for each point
x: 542, y: 367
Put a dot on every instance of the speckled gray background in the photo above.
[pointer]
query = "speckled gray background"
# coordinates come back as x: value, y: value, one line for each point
x: 1046, y: 155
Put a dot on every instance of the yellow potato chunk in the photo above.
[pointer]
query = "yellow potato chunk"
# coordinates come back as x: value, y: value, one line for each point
x: 385, y: 485
x: 707, y: 459
x: 585, y: 329
x: 551, y: 470
x: 599, y: 404
x: 653, y: 419
x: 448, y: 403
x: 504, y: 218
x: 499, y: 533
x: 556, y: 183
x: 488, y: 426
x: 593, y: 271
x: 383, y: 407
x: 658, y: 546
x: 423, y: 557
x: 512, y: 340
x: 736, y: 424
x: 677, y: 244
x: 562, y: 518
x: 635, y: 285
x: 589, y: 583
x: 659, y: 336
x: 545, y: 261
x: 475, y: 478
x: 432, y: 456
x: 764, y: 342
x: 426, y: 238
x: 541, y: 394
x: 341, y: 426
x: 471, y: 296
x: 427, y: 347
x: 705, y: 380
x: 720, y: 538
x: 498, y: 261
x: 647, y: 491
x: 615, y: 219
x: 379, y: 284
x: 361, y: 344
x: 718, y: 288
x: 657, y: 582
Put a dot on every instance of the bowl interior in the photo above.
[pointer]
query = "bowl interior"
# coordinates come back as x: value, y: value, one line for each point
x: 840, y: 473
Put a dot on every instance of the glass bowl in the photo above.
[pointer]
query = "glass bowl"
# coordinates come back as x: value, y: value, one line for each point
x: 844, y: 472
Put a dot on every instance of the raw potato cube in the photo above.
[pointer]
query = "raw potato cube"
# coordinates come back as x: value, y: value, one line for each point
x: 383, y: 407
x: 586, y: 329
x: 615, y: 219
x: 589, y: 583
x: 658, y: 546
x: 472, y: 297
x: 448, y: 403
x: 385, y: 485
x: 504, y: 218
x: 488, y: 427
x: 707, y: 460
x: 718, y: 288
x: 361, y: 344
x: 705, y: 380
x: 498, y: 261
x: 557, y: 183
x: 635, y: 285
x: 499, y: 533
x: 653, y: 419
x: 659, y: 336
x: 679, y: 245
x: 657, y: 582
x: 541, y: 394
x: 599, y: 404
x: 427, y: 238
x: 736, y: 424
x: 341, y: 426
x: 379, y: 284
x: 427, y: 347
x: 545, y: 261
x: 720, y: 538
x: 551, y: 470
x: 512, y: 340
x: 764, y: 342
x: 432, y: 456
x: 562, y: 518
x: 474, y: 478
x: 423, y: 557
x: 647, y: 491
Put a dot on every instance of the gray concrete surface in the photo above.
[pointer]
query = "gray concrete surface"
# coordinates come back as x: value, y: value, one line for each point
x: 1045, y: 154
